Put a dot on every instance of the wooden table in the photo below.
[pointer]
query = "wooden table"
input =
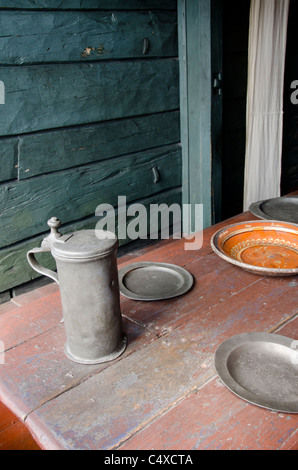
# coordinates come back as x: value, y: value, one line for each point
x: 163, y: 392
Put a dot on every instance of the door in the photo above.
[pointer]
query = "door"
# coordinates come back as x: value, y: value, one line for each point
x: 213, y: 48
x: 200, y: 55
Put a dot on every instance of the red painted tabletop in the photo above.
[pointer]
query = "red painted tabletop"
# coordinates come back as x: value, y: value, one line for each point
x: 163, y: 392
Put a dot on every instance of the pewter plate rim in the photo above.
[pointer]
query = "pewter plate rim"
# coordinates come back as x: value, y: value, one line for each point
x: 229, y: 346
x: 186, y: 278
x: 256, y: 208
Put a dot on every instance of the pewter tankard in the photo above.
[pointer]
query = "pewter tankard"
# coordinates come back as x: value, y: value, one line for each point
x: 88, y: 279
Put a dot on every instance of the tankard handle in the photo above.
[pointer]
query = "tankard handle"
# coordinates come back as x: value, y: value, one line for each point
x: 46, y: 245
x: 37, y: 267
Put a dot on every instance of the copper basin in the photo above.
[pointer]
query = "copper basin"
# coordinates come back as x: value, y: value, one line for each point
x: 262, y: 247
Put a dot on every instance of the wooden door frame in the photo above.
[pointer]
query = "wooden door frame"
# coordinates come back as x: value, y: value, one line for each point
x: 201, y: 173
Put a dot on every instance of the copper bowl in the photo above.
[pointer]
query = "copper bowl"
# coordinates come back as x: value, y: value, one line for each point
x: 265, y: 247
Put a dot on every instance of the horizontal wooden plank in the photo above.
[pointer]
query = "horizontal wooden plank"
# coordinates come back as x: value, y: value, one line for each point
x: 89, y: 4
x: 46, y: 152
x: 26, y: 205
x: 43, y: 97
x: 14, y: 268
x: 8, y: 159
x: 44, y: 37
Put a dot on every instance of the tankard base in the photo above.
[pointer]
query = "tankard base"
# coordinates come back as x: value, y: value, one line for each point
x: 110, y: 357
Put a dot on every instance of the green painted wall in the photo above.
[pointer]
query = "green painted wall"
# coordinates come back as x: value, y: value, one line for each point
x: 89, y: 111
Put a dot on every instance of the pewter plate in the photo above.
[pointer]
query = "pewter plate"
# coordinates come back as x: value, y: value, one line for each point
x: 154, y: 281
x: 279, y: 208
x: 261, y: 368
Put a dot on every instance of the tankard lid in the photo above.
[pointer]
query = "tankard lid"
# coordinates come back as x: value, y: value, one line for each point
x: 85, y: 244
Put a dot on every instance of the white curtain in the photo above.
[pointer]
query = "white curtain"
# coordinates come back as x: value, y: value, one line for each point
x: 266, y: 59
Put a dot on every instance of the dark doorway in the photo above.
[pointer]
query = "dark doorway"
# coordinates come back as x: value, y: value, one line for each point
x: 235, y: 60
